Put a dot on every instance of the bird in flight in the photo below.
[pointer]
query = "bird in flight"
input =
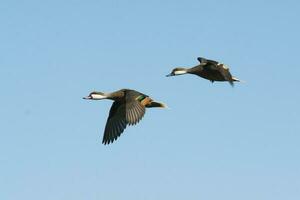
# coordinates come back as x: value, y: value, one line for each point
x: 208, y: 69
x: 128, y: 108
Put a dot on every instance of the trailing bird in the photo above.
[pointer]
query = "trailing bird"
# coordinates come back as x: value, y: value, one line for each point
x: 128, y: 108
x: 208, y: 69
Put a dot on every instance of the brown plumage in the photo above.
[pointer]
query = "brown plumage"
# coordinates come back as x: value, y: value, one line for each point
x: 128, y: 108
x: 208, y: 69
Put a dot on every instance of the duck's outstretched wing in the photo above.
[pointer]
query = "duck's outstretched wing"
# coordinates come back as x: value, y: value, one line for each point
x: 205, y: 61
x: 116, y: 122
x: 212, y: 65
x: 209, y: 65
x: 123, y: 113
x: 135, y: 109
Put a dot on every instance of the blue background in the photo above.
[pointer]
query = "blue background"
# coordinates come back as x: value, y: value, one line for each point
x: 215, y: 142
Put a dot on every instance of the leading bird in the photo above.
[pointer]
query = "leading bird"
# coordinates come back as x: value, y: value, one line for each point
x: 208, y: 69
x: 128, y: 108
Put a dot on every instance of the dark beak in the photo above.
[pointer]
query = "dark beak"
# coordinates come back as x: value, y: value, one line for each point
x: 169, y: 75
x: 88, y: 97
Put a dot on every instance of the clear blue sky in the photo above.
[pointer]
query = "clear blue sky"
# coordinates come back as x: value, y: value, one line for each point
x: 216, y: 142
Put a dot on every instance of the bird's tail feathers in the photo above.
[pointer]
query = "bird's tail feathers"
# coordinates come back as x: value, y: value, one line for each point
x: 156, y: 104
x: 238, y: 80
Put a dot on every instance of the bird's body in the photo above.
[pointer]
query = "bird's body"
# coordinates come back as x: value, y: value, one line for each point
x: 208, y: 69
x: 212, y: 75
x: 128, y: 108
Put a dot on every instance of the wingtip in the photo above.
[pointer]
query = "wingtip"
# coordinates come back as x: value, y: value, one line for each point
x: 104, y: 143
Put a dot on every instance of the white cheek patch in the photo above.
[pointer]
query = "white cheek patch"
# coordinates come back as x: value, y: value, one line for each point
x: 98, y: 96
x: 180, y: 72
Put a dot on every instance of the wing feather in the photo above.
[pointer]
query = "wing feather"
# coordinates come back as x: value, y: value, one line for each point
x: 123, y: 113
x: 115, y: 124
x: 134, y: 112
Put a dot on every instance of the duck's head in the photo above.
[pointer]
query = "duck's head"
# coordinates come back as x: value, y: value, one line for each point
x: 96, y: 96
x: 177, y: 71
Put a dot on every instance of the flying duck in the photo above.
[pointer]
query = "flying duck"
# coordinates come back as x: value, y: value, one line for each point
x: 208, y: 69
x: 128, y: 108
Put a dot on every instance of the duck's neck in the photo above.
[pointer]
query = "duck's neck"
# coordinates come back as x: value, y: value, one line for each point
x: 115, y: 95
x: 192, y: 70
